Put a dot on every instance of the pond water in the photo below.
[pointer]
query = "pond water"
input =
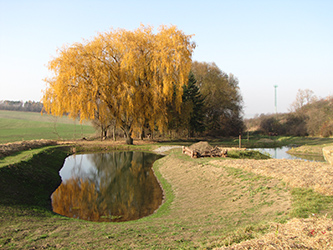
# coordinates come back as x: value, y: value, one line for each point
x: 116, y: 186
x: 281, y: 153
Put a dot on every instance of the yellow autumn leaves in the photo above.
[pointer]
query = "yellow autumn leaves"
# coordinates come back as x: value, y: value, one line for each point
x: 132, y: 74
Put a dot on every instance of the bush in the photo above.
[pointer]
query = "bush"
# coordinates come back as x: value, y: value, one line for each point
x: 327, y: 129
x: 296, y: 125
x: 271, y: 125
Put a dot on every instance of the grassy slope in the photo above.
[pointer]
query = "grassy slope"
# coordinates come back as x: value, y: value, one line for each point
x: 17, y: 126
x: 206, y: 206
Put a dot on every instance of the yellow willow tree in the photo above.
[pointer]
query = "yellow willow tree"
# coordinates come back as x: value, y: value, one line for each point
x: 134, y: 74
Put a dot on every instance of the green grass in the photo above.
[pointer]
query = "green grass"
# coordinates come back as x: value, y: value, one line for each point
x: 20, y: 156
x: 306, y: 202
x: 25, y: 188
x: 28, y: 177
x: 248, y: 154
x: 31, y: 176
x: 19, y: 126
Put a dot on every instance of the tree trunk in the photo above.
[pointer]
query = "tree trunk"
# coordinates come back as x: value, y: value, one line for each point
x: 102, y: 133
x: 128, y: 135
x: 114, y: 133
x: 105, y: 134
x: 129, y: 140
x: 142, y: 134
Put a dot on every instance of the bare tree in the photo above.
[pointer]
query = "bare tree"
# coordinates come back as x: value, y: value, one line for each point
x: 303, y: 97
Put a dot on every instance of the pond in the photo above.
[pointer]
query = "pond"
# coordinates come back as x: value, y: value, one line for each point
x: 116, y: 186
x: 281, y: 153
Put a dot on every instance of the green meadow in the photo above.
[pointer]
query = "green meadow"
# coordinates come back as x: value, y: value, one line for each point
x: 19, y: 126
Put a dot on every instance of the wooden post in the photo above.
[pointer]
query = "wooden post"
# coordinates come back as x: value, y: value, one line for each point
x: 240, y: 141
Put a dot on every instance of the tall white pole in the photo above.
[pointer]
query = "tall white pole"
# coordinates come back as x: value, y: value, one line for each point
x: 275, y: 86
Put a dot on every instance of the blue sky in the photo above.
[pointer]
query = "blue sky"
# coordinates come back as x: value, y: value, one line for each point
x: 288, y: 43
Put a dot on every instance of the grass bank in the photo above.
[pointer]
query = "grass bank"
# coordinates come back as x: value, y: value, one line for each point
x: 207, y: 205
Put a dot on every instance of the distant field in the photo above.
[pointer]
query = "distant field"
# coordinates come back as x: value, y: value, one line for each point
x: 18, y: 126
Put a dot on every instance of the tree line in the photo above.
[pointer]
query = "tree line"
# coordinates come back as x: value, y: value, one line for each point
x: 212, y: 104
x: 28, y: 106
x: 309, y: 115
x: 143, y: 81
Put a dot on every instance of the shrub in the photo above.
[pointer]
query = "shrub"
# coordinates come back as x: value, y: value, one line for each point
x: 327, y: 129
x: 295, y: 125
x: 271, y: 125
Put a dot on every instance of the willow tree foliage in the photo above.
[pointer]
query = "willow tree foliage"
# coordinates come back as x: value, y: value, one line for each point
x: 134, y: 74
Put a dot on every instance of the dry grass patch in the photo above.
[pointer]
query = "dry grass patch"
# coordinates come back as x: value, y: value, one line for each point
x: 297, y: 173
x: 308, y: 149
x: 311, y: 233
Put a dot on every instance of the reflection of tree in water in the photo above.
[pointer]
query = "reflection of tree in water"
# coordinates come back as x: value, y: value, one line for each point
x: 77, y: 199
x: 122, y: 187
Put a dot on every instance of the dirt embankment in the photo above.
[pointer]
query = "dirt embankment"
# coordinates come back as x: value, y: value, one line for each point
x: 11, y: 148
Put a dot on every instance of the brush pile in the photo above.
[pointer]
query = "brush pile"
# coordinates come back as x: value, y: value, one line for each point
x: 203, y: 149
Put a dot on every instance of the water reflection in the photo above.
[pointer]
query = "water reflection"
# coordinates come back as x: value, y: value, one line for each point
x: 117, y: 186
x: 281, y: 153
